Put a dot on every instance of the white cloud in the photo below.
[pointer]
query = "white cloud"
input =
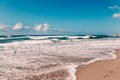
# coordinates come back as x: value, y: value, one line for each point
x: 116, y: 15
x: 17, y: 26
x: 2, y: 26
x: 45, y: 27
x: 38, y: 27
x: 114, y: 7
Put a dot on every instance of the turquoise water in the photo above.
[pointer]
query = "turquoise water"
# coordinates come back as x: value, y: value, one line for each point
x: 13, y: 38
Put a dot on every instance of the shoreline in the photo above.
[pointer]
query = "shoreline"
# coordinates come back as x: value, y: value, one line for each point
x: 101, y: 70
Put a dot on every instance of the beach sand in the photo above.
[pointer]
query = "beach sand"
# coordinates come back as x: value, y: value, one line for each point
x: 101, y: 70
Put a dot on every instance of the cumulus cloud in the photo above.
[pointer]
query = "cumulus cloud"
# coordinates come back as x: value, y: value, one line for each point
x: 114, y: 7
x: 17, y: 26
x: 45, y: 27
x: 2, y: 26
x: 116, y: 15
x: 38, y: 27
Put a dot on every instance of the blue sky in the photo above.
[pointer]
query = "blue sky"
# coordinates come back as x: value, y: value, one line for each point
x: 59, y: 16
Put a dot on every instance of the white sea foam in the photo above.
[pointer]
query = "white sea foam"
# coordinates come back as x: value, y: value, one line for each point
x: 43, y: 37
x: 85, y: 37
x: 19, y: 60
x: 38, y: 37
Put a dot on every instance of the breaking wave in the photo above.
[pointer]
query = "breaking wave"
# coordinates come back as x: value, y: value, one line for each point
x: 14, y: 38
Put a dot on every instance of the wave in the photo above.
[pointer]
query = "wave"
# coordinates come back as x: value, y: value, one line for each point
x: 64, y: 37
x: 13, y: 39
x: 8, y: 39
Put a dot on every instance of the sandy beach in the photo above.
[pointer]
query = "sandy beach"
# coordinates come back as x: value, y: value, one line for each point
x: 101, y: 70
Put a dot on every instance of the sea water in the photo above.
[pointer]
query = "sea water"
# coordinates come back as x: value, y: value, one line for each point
x: 52, y: 57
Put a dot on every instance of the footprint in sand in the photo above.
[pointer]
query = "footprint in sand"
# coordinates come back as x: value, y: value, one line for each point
x: 107, y: 75
x: 111, y: 71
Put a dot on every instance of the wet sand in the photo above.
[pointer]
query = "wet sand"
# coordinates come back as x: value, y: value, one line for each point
x: 101, y: 70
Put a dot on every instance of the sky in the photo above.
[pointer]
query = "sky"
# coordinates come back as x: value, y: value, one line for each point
x: 37, y: 17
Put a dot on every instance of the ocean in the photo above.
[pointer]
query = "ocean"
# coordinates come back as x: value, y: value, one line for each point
x: 46, y: 57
